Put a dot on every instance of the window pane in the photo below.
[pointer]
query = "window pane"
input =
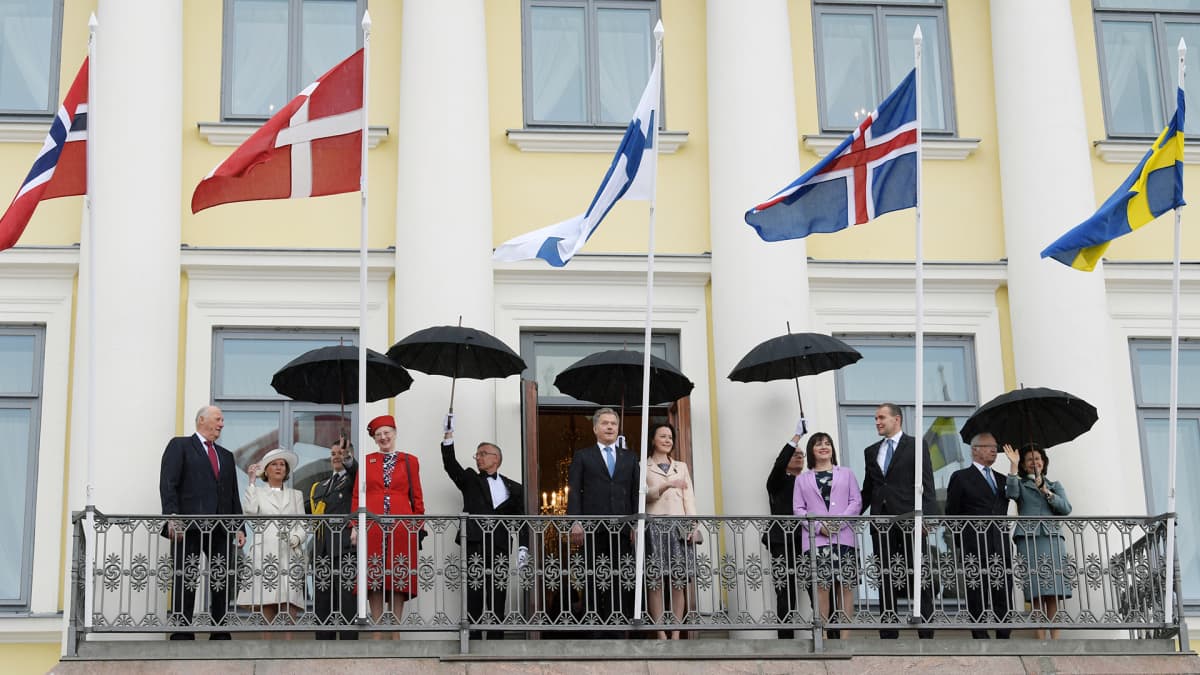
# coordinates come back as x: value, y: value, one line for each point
x: 1131, y: 78
x: 1187, y: 489
x: 16, y: 505
x: 313, y: 432
x: 860, y: 433
x: 330, y: 34
x: 551, y: 358
x: 1153, y: 372
x: 16, y: 364
x: 26, y: 43
x: 558, y: 61
x: 248, y: 364
x: 900, y: 60
x: 849, y: 69
x: 626, y: 53
x: 886, y: 372
x: 249, y: 434
x: 258, y: 53
x: 1190, y: 32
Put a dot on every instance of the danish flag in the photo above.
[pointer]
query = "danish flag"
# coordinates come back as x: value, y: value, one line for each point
x: 873, y: 171
x: 310, y: 148
x: 60, y: 169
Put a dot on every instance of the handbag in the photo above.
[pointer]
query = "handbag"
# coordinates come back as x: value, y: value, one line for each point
x: 421, y: 533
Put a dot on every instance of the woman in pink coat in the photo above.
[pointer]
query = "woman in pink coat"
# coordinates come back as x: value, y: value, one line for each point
x: 830, y: 490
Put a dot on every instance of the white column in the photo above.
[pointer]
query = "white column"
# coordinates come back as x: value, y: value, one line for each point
x: 444, y: 217
x: 1060, y: 320
x: 134, y: 122
x: 756, y: 286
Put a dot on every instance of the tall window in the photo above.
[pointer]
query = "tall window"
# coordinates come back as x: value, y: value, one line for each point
x: 863, y: 51
x: 586, y: 61
x: 21, y: 354
x: 275, y: 48
x: 1137, y: 41
x: 1151, y: 387
x: 257, y: 419
x: 30, y: 33
x: 886, y: 375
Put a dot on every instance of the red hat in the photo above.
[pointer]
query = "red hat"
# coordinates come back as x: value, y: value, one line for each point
x: 381, y: 421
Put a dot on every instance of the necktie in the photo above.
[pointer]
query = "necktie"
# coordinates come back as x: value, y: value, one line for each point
x: 610, y: 460
x: 987, y: 473
x: 212, y: 458
x: 887, y: 456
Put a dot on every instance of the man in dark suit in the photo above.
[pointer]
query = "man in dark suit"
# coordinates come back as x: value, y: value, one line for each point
x: 198, y: 477
x: 888, y: 491
x: 486, y: 493
x: 978, y: 490
x: 334, y: 586
x: 603, y: 481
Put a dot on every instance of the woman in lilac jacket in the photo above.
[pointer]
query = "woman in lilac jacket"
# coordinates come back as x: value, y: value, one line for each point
x: 830, y: 490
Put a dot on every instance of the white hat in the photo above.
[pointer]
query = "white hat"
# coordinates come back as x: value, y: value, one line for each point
x: 278, y: 453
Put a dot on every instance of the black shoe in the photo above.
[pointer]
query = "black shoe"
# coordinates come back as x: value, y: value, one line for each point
x: 926, y: 634
x: 326, y: 635
x: 889, y: 635
x: 219, y: 636
x: 183, y: 636
x: 834, y: 634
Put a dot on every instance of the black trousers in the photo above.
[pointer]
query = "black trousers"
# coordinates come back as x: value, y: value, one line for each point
x: 894, y: 547
x: 335, y: 595
x: 995, y: 588
x: 489, y: 596
x: 787, y: 598
x: 219, y: 548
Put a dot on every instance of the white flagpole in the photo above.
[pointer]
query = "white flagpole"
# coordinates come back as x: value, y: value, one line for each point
x: 89, y: 534
x: 640, y: 569
x: 1173, y: 415
x: 919, y: 391
x: 362, y: 339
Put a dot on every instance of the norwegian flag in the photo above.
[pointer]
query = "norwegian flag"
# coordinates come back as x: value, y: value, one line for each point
x: 60, y: 169
x: 872, y: 172
x: 310, y: 148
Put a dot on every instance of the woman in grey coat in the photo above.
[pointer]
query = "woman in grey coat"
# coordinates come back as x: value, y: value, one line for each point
x: 1040, y: 544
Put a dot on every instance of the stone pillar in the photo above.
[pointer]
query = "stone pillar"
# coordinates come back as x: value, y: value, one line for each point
x: 444, y: 216
x: 756, y: 286
x: 134, y: 122
x: 1060, y: 320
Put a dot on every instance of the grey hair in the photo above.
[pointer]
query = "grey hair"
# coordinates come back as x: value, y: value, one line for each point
x: 203, y: 412
x: 982, y: 433
x: 499, y: 452
x: 603, y: 411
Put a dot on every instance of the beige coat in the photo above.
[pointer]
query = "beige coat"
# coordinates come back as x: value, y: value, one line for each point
x: 673, y: 501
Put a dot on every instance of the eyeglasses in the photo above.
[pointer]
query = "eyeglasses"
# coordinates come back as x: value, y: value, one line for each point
x: 985, y: 447
x: 485, y: 453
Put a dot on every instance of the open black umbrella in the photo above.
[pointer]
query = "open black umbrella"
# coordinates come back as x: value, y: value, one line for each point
x: 457, y: 351
x: 792, y: 356
x: 1046, y: 416
x: 615, y: 377
x: 330, y: 375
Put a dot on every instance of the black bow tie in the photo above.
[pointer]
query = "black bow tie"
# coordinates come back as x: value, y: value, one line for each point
x: 489, y: 475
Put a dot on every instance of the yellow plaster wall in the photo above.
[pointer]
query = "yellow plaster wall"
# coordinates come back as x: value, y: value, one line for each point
x: 324, y: 222
x: 962, y: 217
x: 535, y: 189
x: 20, y: 659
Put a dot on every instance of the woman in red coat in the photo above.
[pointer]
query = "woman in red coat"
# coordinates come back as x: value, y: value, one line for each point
x: 391, y: 478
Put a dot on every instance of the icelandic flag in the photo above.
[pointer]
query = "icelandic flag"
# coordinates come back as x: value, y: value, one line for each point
x: 312, y: 147
x: 60, y: 169
x: 631, y: 176
x: 872, y: 172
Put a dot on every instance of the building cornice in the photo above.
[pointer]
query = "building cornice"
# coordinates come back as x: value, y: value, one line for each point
x: 585, y: 140
x: 235, y: 133
x: 932, y: 147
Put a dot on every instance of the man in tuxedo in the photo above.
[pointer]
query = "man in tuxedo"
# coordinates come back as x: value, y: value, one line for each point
x: 888, y: 491
x: 198, y: 477
x: 978, y: 490
x: 603, y: 481
x: 334, y: 585
x: 486, y: 493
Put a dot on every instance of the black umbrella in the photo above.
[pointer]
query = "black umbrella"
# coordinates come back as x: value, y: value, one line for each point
x: 793, y: 356
x: 456, y: 351
x: 1047, y: 416
x: 615, y: 376
x: 330, y: 375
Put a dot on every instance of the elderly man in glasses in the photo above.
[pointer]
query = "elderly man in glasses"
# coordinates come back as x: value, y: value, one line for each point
x: 486, y: 493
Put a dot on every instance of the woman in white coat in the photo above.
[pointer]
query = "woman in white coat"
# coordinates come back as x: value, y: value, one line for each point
x: 276, y: 546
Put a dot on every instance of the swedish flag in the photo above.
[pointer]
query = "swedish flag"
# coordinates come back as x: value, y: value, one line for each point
x: 1154, y: 187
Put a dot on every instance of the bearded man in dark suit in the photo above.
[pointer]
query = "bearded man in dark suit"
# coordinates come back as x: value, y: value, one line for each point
x: 198, y: 477
x: 603, y: 481
x: 888, y: 491
x: 485, y: 492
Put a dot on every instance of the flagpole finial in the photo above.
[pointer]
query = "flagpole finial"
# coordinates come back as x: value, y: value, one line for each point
x: 1182, y: 47
x: 93, y: 23
x: 366, y: 21
x: 659, y: 30
x: 918, y: 37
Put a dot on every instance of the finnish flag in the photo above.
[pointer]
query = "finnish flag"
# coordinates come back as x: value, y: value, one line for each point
x: 631, y: 176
